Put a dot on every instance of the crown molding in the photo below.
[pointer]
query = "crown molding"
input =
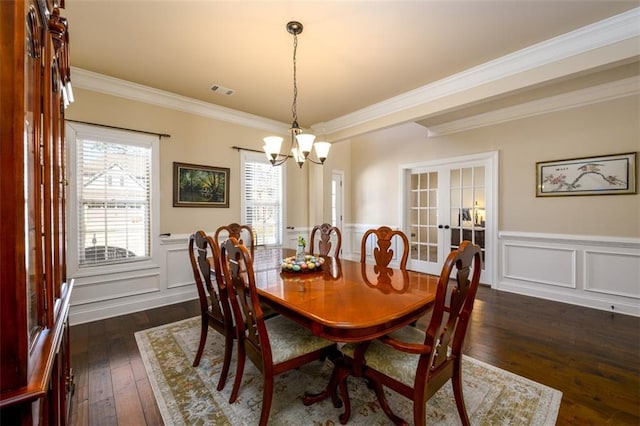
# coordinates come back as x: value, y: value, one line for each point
x: 601, y: 34
x: 587, y: 39
x: 101, y: 83
x: 578, y: 98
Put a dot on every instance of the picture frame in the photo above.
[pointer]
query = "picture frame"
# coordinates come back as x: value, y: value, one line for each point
x: 200, y: 186
x: 599, y: 175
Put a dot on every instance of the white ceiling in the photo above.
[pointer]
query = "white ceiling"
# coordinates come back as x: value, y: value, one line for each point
x: 351, y: 54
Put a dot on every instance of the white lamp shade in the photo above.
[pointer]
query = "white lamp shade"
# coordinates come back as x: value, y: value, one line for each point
x: 272, y: 145
x: 322, y: 150
x: 297, y: 155
x: 305, y: 142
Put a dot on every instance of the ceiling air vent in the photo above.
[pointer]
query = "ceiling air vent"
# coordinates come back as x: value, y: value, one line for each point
x: 222, y: 90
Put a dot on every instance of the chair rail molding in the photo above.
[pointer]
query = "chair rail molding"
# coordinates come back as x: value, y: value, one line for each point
x: 599, y: 272
x: 107, y: 295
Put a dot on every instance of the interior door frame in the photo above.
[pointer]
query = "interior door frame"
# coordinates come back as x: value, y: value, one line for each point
x: 491, y: 163
x: 338, y: 176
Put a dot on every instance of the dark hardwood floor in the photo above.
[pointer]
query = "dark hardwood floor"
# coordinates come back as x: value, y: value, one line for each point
x: 592, y: 356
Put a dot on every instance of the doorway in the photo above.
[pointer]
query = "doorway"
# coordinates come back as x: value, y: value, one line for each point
x: 446, y: 202
x: 337, y: 199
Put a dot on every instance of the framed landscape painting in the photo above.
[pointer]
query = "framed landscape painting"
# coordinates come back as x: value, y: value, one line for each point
x: 603, y: 175
x: 200, y: 186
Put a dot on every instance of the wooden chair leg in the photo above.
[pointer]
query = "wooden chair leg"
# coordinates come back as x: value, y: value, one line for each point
x: 343, y: 374
x: 456, y: 381
x: 203, y: 339
x: 267, y: 396
x: 419, y: 413
x: 226, y: 363
x: 384, y: 404
x: 239, y: 373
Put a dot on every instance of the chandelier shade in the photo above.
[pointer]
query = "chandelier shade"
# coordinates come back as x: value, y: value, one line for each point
x: 302, y: 144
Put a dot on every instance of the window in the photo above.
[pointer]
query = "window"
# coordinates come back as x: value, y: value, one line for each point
x: 262, y: 199
x: 111, y: 195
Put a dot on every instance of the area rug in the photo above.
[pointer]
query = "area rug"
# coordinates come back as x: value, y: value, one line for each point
x: 188, y: 395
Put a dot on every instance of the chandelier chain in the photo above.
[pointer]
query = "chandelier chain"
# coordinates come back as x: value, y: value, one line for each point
x: 295, y: 85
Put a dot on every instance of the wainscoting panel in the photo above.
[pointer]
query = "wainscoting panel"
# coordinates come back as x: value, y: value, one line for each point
x: 134, y: 287
x: 522, y: 262
x: 179, y: 272
x: 597, y: 272
x: 601, y: 266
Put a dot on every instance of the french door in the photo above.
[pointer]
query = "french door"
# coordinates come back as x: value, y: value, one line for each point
x: 446, y: 203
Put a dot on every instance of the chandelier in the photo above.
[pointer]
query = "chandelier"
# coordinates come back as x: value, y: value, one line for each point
x: 301, y: 143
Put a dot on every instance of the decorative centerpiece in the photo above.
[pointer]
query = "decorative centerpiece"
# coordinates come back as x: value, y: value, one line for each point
x: 306, y: 263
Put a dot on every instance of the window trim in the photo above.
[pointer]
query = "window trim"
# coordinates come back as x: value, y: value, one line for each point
x: 81, y: 130
x: 255, y: 157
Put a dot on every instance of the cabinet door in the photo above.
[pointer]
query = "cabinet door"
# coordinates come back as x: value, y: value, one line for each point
x: 33, y: 171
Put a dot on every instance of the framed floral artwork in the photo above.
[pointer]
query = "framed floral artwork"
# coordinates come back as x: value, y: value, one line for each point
x: 602, y: 175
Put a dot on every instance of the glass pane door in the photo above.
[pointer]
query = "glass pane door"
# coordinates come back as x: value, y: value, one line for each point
x: 423, y: 217
x: 467, y: 206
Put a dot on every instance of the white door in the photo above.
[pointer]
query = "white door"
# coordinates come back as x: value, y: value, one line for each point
x: 337, y: 199
x: 446, y: 203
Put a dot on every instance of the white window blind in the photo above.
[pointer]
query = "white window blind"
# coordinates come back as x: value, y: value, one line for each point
x: 262, y: 189
x: 113, y: 193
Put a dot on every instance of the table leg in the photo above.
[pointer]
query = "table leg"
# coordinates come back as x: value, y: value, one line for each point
x: 332, y: 387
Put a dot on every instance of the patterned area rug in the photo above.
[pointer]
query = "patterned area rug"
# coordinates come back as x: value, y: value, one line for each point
x: 188, y: 396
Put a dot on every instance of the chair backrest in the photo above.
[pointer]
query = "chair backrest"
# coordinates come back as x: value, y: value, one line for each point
x: 332, y: 269
x: 243, y: 233
x: 383, y: 253
x: 215, y: 299
x: 237, y: 268
x: 385, y: 281
x: 324, y: 243
x: 452, y: 308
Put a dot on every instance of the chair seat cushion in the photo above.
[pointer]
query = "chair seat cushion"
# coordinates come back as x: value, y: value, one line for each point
x: 289, y: 340
x: 398, y: 365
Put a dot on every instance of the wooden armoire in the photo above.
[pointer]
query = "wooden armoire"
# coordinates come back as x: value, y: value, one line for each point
x: 36, y: 379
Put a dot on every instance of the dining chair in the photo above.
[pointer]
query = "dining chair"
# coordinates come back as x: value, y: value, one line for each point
x: 215, y: 310
x: 416, y: 363
x: 242, y: 233
x: 324, y: 242
x: 382, y: 252
x: 273, y: 345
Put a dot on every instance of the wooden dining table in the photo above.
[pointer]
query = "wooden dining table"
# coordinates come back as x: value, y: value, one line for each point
x: 345, y: 301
